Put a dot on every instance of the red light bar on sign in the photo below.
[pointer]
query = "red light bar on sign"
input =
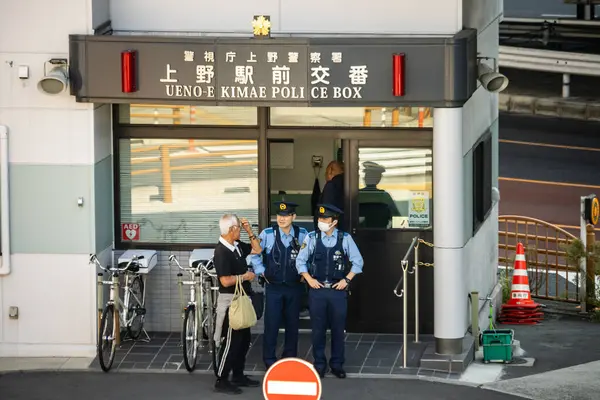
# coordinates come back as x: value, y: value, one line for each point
x: 128, y: 71
x: 398, y: 77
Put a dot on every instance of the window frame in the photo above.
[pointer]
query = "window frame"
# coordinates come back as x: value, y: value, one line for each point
x: 151, y: 131
x: 423, y: 141
x: 262, y: 133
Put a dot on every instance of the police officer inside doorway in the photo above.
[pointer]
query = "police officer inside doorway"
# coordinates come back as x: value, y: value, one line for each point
x: 277, y: 266
x: 328, y: 261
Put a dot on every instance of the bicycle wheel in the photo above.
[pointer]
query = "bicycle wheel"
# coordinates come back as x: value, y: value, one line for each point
x: 136, y: 309
x: 107, y: 345
x: 189, y: 338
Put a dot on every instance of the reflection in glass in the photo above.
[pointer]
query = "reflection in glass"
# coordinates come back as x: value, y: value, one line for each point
x: 174, y: 114
x: 374, y: 117
x: 395, y: 188
x: 176, y: 190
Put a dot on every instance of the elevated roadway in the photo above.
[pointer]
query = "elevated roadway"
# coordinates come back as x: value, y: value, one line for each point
x: 546, y: 164
x: 539, y: 9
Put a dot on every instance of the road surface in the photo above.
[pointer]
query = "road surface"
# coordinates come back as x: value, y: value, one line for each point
x: 100, y: 386
x: 546, y: 164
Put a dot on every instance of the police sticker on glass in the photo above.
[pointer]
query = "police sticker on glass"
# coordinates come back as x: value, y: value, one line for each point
x: 418, y: 209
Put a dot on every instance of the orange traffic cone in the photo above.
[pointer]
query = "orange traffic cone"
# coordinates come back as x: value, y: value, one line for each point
x: 520, y: 308
x: 520, y: 295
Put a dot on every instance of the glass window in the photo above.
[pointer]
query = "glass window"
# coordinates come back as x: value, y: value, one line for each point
x: 186, y: 115
x: 373, y: 117
x: 176, y: 190
x: 395, y: 188
x: 482, y: 181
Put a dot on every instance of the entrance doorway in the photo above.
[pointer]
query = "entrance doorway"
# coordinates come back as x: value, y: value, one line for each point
x: 385, y: 173
x: 389, y: 202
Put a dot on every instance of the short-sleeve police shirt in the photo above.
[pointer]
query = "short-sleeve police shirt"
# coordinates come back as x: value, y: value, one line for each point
x: 229, y: 263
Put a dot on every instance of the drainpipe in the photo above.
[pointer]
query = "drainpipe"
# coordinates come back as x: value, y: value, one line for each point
x: 5, y: 263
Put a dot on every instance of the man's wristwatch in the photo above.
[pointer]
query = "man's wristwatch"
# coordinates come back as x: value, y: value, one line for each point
x: 347, y: 280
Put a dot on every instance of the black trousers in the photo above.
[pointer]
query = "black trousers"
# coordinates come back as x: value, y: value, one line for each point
x: 233, y: 351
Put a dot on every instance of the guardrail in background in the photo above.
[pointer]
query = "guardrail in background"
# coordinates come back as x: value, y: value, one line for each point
x: 424, y: 112
x: 165, y: 157
x: 546, y: 258
x: 561, y: 62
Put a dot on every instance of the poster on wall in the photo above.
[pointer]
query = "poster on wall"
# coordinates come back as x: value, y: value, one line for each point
x: 418, y: 209
x: 130, y: 232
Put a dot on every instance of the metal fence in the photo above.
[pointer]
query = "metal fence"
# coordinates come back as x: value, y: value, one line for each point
x: 551, y: 275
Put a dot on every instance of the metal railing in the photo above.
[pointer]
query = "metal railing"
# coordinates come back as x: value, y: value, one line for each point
x: 414, y: 246
x: 549, y: 61
x: 561, y: 62
x: 545, y: 256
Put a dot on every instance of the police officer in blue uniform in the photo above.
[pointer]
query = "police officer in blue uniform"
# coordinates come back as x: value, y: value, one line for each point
x: 284, y: 289
x: 328, y: 260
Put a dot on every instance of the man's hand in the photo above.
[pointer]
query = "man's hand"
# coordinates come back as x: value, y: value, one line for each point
x: 313, y: 283
x: 341, y: 285
x: 248, y: 276
x: 246, y: 225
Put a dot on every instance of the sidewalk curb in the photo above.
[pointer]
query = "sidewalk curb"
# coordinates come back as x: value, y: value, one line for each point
x: 569, y: 108
x: 491, y: 389
x: 250, y: 373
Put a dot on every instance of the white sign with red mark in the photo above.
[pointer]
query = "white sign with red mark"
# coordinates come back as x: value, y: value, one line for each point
x: 130, y: 232
x: 290, y: 379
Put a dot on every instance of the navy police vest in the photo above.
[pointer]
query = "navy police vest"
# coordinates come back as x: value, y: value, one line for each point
x: 330, y: 264
x: 280, y: 265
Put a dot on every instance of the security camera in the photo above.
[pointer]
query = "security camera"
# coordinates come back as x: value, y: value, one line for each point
x: 491, y: 80
x: 495, y: 194
x: 55, y: 81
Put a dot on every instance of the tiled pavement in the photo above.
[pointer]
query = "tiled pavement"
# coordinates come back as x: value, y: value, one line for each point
x: 366, y: 355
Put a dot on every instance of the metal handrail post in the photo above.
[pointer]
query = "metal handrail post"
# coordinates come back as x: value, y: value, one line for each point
x: 416, y: 267
x: 404, y: 290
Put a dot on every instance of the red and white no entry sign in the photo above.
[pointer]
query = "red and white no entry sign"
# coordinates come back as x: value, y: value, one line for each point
x: 292, y: 379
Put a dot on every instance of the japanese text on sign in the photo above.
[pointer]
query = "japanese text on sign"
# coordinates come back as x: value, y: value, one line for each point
x: 267, y: 75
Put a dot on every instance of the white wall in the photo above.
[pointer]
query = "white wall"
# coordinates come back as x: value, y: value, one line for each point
x: 480, y: 114
x: 52, y: 153
x: 308, y: 16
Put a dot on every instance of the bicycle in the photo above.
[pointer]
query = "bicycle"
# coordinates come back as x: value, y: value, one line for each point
x: 129, y: 313
x: 199, y: 314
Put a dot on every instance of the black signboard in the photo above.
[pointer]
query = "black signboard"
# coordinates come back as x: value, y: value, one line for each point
x: 310, y: 72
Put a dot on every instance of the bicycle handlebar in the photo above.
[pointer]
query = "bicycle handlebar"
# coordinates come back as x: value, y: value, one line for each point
x: 94, y: 259
x: 201, y: 266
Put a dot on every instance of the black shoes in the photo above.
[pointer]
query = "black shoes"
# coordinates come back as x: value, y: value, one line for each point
x: 340, y: 373
x: 224, y: 386
x: 245, y: 382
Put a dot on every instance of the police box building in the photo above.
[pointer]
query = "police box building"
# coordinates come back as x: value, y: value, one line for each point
x: 134, y: 125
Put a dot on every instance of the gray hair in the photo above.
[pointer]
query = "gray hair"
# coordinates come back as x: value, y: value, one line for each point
x: 226, y: 222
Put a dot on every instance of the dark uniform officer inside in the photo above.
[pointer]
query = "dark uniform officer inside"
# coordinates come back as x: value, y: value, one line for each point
x: 328, y: 260
x: 284, y: 289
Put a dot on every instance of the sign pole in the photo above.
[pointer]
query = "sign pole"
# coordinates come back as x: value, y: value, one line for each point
x: 583, y: 261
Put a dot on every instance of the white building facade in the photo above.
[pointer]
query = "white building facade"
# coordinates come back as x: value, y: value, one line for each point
x: 73, y: 181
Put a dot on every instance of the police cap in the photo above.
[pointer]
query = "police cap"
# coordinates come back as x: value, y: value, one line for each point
x: 285, y: 208
x: 328, y: 210
x: 371, y: 166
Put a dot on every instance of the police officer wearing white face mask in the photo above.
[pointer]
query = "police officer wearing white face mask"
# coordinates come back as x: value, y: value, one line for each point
x: 328, y: 260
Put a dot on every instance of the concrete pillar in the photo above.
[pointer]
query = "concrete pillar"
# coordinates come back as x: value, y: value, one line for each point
x: 450, y: 311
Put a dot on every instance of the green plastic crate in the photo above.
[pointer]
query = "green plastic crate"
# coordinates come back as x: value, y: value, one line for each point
x: 497, y: 345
